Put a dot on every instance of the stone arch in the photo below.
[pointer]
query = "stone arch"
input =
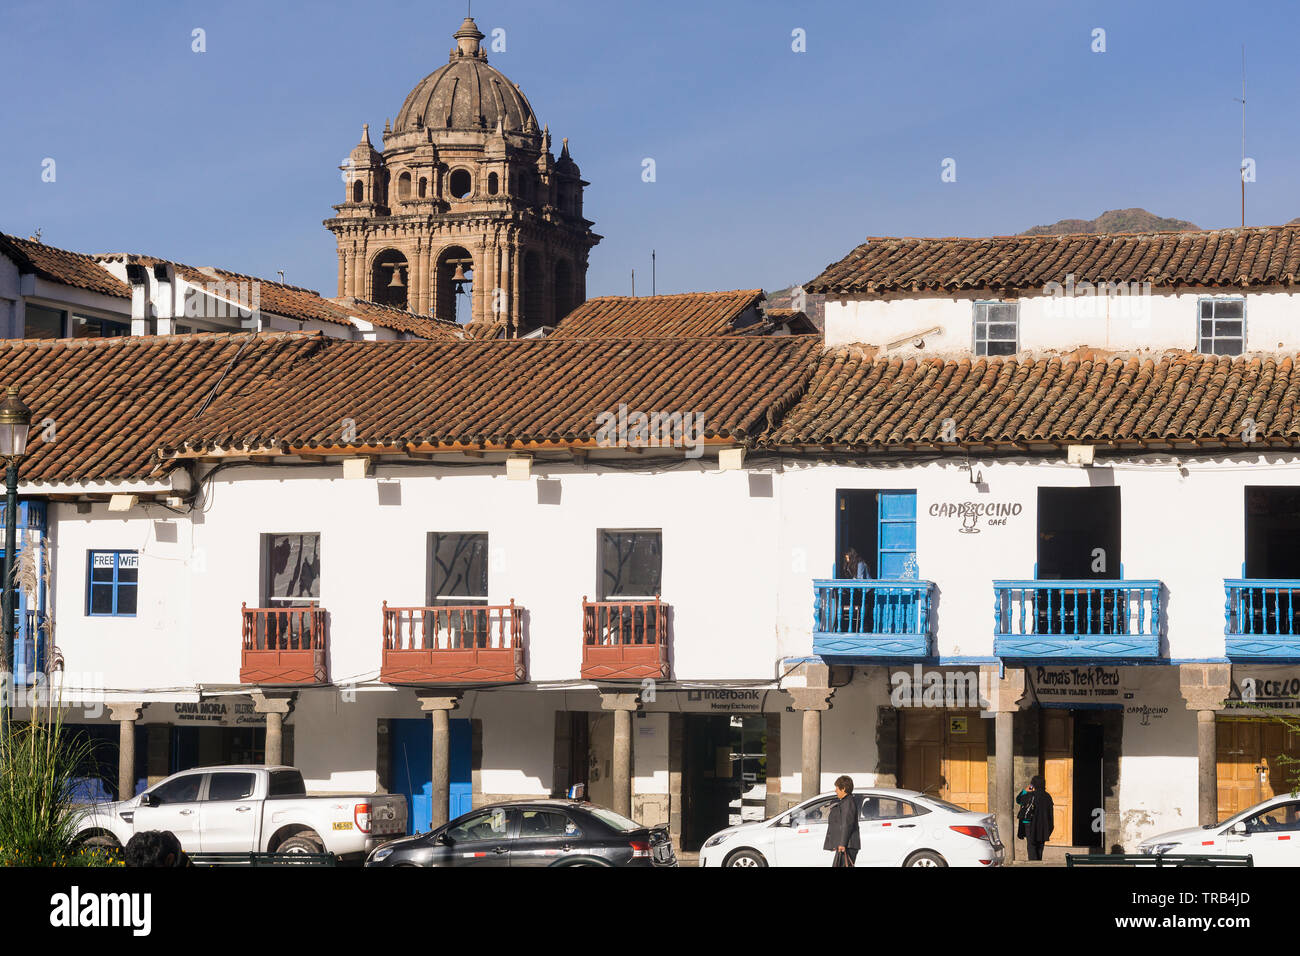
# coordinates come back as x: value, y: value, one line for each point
x: 450, y: 304
x: 460, y: 183
x: 390, y: 277
x: 533, y: 312
x: 565, y: 298
x: 492, y: 184
x: 358, y: 191
x: 404, y: 186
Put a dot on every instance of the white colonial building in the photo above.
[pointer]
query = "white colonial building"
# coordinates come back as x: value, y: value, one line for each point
x: 429, y: 566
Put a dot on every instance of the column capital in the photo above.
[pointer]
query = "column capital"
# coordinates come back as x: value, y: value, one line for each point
x: 1005, y: 692
x: 1205, y: 686
x: 810, y: 698
x: 126, y: 710
x: 620, y: 700
x: 273, y: 703
x: 446, y: 702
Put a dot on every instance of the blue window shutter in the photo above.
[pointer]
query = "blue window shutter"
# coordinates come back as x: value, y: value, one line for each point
x: 896, y: 533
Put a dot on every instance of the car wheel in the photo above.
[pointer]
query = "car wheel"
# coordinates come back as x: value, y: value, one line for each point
x: 746, y: 858
x: 302, y: 843
x: 101, y: 841
x: 926, y: 858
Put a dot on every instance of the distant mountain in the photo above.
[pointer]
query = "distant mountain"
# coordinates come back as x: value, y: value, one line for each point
x: 1115, y: 220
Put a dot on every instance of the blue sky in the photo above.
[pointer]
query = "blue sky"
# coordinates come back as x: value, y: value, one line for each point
x: 770, y: 163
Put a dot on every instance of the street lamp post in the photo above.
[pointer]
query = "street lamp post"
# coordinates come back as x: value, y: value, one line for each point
x: 15, y: 420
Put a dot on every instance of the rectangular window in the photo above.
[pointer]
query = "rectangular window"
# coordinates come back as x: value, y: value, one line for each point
x: 290, y: 570
x: 458, y: 565
x: 1222, y: 326
x: 631, y: 564
x: 997, y: 328
x: 42, y: 323
x: 90, y: 327
x: 113, y: 582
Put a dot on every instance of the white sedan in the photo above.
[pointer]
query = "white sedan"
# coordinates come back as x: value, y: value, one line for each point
x: 1268, y: 831
x: 897, y: 828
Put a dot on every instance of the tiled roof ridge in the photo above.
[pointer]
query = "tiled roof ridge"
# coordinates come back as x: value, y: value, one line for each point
x: 675, y: 295
x: 21, y: 248
x: 144, y: 341
x: 1075, y: 236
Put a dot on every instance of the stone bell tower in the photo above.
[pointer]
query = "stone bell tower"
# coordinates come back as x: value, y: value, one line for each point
x: 465, y: 213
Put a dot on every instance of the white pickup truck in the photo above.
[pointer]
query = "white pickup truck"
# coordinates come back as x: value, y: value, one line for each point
x: 249, y: 808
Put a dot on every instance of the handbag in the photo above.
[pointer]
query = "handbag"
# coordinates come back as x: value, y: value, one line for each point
x: 844, y: 854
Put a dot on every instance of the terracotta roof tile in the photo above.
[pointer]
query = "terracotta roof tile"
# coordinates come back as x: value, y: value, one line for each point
x: 1257, y: 256
x: 111, y: 400
x: 855, y: 400
x: 507, y: 392
x: 690, y: 314
x: 59, y: 265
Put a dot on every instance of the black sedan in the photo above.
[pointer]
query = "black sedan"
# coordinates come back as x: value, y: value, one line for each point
x: 533, y: 833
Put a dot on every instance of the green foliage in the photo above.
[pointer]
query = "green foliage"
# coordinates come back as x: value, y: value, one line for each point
x: 38, y: 818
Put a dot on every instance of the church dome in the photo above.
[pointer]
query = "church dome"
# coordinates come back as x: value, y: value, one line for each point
x: 466, y: 93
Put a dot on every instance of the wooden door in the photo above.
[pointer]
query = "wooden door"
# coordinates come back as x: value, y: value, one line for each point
x: 1057, y: 745
x: 945, y: 753
x: 921, y: 767
x: 1247, y: 769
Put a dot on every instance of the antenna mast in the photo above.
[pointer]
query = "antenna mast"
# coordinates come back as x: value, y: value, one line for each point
x: 1242, y: 171
x: 652, y: 272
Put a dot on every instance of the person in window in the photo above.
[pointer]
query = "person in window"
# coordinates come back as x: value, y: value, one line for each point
x: 842, y: 825
x: 854, y: 566
x: 1037, y: 816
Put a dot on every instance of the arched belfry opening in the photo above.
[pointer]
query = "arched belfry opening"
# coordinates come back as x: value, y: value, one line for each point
x: 465, y: 177
x: 455, y: 285
x: 390, y: 277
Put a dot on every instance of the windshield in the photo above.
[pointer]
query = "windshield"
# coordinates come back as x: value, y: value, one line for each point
x: 615, y: 820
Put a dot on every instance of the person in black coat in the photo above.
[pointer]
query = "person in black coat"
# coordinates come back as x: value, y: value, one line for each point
x: 1037, y: 816
x: 842, y: 824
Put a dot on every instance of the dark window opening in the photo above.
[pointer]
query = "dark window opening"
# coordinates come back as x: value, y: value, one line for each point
x: 631, y: 564
x: 358, y: 191
x: 460, y: 183
x: 42, y: 323
x: 492, y: 184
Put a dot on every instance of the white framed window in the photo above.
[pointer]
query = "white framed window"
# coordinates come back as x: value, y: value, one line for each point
x: 1222, y: 325
x: 997, y: 328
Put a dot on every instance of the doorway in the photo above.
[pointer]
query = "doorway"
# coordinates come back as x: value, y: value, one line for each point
x: 1073, y: 747
x: 1078, y: 533
x: 1249, y: 767
x: 411, y: 760
x: 880, y: 527
x: 709, y: 777
x: 945, y: 753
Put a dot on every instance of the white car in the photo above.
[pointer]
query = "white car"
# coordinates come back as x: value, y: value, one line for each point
x: 245, y: 808
x: 897, y: 828
x: 1268, y: 831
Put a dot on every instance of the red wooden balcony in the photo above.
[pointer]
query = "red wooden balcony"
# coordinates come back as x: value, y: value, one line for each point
x: 283, y: 645
x: 469, y: 644
x: 624, y: 640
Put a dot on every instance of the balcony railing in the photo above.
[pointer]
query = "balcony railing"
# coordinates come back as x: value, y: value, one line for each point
x: 869, y: 618
x: 1262, y: 617
x: 461, y: 644
x: 624, y: 640
x: 283, y: 645
x: 1109, y: 620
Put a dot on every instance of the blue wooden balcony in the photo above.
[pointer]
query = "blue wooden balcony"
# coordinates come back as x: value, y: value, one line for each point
x: 1077, y: 620
x: 1262, y: 618
x: 872, y: 619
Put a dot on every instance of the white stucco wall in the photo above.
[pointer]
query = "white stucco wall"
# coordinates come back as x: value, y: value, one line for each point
x: 1162, y: 320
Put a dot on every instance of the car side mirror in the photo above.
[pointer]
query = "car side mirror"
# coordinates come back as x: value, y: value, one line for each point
x: 441, y: 840
x: 148, y: 800
x: 1239, y: 829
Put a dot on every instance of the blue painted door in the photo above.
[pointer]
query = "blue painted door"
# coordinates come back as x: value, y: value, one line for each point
x: 411, y: 756
x: 895, y: 558
x: 896, y: 535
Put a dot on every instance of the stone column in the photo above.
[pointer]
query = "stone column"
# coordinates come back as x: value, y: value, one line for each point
x: 1205, y: 687
x: 623, y: 704
x: 276, y: 707
x: 811, y: 701
x: 1005, y: 693
x: 516, y: 263
x: 126, y: 714
x: 441, y: 708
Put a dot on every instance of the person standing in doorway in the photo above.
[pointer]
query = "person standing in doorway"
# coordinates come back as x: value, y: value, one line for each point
x: 842, y: 824
x: 1037, y: 816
